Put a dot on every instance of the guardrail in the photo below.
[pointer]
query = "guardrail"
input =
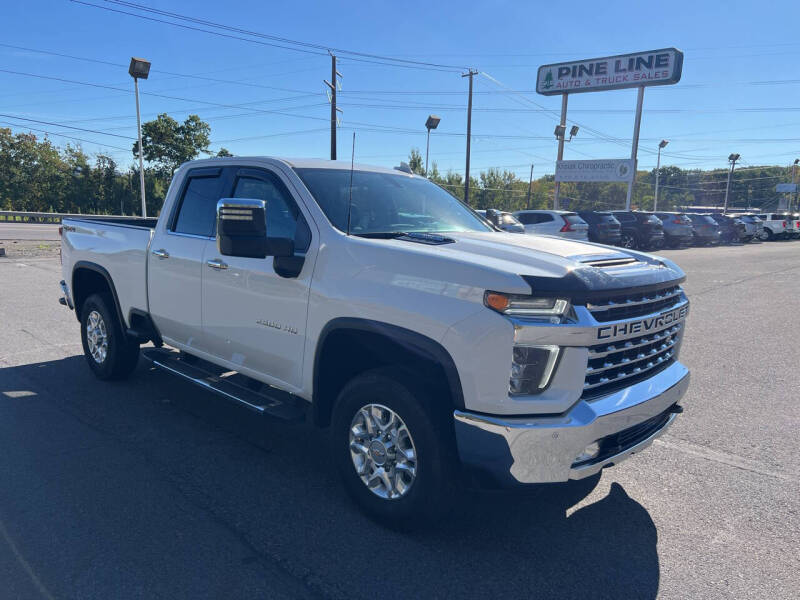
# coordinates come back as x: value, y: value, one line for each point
x: 13, y: 216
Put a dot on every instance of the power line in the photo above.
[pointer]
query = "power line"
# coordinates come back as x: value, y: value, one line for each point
x: 275, y: 41
x: 69, y: 137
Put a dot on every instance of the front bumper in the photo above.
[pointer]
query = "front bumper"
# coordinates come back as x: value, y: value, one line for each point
x: 538, y: 449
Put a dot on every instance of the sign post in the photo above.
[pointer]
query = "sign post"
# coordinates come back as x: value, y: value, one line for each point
x: 563, y: 123
x: 639, y: 70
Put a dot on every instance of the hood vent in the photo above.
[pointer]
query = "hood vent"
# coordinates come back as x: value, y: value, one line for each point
x: 610, y: 262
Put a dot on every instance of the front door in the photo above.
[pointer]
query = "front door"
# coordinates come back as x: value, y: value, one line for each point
x: 254, y: 318
x: 177, y: 255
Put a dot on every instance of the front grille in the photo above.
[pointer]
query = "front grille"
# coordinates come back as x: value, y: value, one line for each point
x: 616, y: 365
x: 627, y: 438
x: 628, y: 306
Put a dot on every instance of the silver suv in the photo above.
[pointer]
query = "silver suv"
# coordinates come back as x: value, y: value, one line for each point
x: 553, y: 222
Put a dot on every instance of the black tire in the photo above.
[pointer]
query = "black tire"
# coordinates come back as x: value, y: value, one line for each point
x: 427, y: 496
x: 121, y: 354
x: 767, y: 235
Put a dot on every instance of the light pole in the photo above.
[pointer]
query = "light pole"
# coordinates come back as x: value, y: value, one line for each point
x: 794, y: 180
x: 139, y: 69
x: 560, y: 133
x: 731, y: 159
x: 431, y: 123
x: 661, y: 145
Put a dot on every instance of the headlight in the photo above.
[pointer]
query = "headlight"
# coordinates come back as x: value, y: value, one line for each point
x: 550, y: 309
x: 531, y: 369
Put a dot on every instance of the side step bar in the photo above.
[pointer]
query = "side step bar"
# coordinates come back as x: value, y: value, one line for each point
x: 256, y: 396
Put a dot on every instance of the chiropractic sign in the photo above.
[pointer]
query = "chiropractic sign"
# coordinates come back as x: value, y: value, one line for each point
x: 612, y: 169
x: 657, y: 67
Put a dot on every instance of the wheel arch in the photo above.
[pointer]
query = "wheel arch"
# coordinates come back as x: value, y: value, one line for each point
x: 349, y: 346
x: 90, y: 278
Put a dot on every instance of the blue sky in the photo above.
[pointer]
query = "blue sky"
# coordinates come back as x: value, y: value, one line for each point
x: 739, y: 91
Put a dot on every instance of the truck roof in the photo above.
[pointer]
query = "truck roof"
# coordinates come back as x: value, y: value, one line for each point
x: 297, y: 163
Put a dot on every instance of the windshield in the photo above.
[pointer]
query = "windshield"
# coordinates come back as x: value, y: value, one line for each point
x: 386, y: 203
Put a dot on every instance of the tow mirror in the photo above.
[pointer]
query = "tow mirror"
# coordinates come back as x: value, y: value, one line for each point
x: 242, y: 227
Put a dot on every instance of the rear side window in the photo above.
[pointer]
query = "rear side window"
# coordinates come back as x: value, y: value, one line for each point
x: 625, y: 217
x: 527, y: 218
x: 198, y: 208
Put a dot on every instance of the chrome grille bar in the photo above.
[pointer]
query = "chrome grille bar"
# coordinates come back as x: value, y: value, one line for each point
x: 647, y: 300
x: 656, y: 361
x: 633, y: 343
x: 640, y: 357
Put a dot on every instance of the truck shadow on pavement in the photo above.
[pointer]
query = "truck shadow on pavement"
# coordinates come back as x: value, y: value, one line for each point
x: 227, y: 504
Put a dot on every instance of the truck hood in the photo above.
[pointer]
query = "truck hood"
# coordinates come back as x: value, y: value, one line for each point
x: 549, y: 263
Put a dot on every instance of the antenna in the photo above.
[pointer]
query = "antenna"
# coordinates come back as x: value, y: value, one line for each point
x: 350, y: 200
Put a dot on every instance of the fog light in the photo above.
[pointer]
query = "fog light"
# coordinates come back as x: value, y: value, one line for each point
x: 591, y: 451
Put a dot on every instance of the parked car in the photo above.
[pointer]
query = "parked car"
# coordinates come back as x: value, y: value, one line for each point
x: 502, y: 220
x: 677, y: 229
x: 731, y: 229
x: 553, y: 222
x: 776, y: 226
x: 373, y: 304
x: 753, y: 227
x: 705, y: 229
x: 640, y: 230
x: 793, y: 230
x: 603, y: 227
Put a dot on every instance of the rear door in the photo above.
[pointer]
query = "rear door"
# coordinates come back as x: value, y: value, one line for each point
x: 175, y: 264
x: 253, y: 317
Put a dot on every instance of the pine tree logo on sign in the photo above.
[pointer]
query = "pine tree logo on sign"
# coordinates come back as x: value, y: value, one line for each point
x: 548, y: 80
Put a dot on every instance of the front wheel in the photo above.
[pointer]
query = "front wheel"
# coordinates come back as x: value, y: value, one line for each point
x: 765, y: 235
x: 391, y: 450
x: 108, y: 352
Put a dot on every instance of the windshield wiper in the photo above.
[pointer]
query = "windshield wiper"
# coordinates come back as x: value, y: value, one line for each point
x: 382, y: 235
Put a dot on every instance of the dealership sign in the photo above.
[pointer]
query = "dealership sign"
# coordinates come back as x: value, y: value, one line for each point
x: 786, y: 187
x: 612, y: 169
x: 656, y: 67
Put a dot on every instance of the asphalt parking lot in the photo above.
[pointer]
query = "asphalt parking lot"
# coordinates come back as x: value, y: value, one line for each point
x: 151, y: 488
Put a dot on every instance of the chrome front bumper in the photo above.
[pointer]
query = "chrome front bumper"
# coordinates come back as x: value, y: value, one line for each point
x: 512, y: 450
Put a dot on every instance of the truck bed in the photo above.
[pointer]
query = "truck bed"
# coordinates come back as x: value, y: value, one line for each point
x: 118, y: 247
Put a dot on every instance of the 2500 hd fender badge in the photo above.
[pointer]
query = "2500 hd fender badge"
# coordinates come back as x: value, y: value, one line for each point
x: 643, y: 326
x: 278, y: 326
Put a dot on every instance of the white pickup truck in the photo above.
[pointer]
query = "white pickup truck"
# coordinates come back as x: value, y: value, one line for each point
x: 438, y: 351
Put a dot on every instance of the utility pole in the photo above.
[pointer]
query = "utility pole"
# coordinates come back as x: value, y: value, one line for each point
x: 471, y: 73
x: 661, y: 144
x: 332, y: 85
x: 732, y: 159
x: 794, y: 180
x: 530, y: 184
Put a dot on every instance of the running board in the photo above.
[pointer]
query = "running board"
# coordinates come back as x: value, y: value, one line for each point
x: 232, y: 385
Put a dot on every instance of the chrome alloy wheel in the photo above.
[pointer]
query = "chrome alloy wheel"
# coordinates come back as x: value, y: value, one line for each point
x: 383, y: 451
x: 96, y: 337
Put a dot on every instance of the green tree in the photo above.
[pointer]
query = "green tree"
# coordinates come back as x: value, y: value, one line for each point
x: 415, y: 162
x: 223, y: 152
x: 168, y: 144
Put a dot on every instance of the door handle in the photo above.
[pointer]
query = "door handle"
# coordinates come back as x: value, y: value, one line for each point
x: 217, y: 264
x: 161, y: 253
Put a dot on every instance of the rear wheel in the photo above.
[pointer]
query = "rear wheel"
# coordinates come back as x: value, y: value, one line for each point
x: 108, y: 352
x: 765, y: 235
x: 391, y: 449
x: 628, y: 240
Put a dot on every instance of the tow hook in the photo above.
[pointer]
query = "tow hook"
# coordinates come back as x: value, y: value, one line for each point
x: 675, y: 409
